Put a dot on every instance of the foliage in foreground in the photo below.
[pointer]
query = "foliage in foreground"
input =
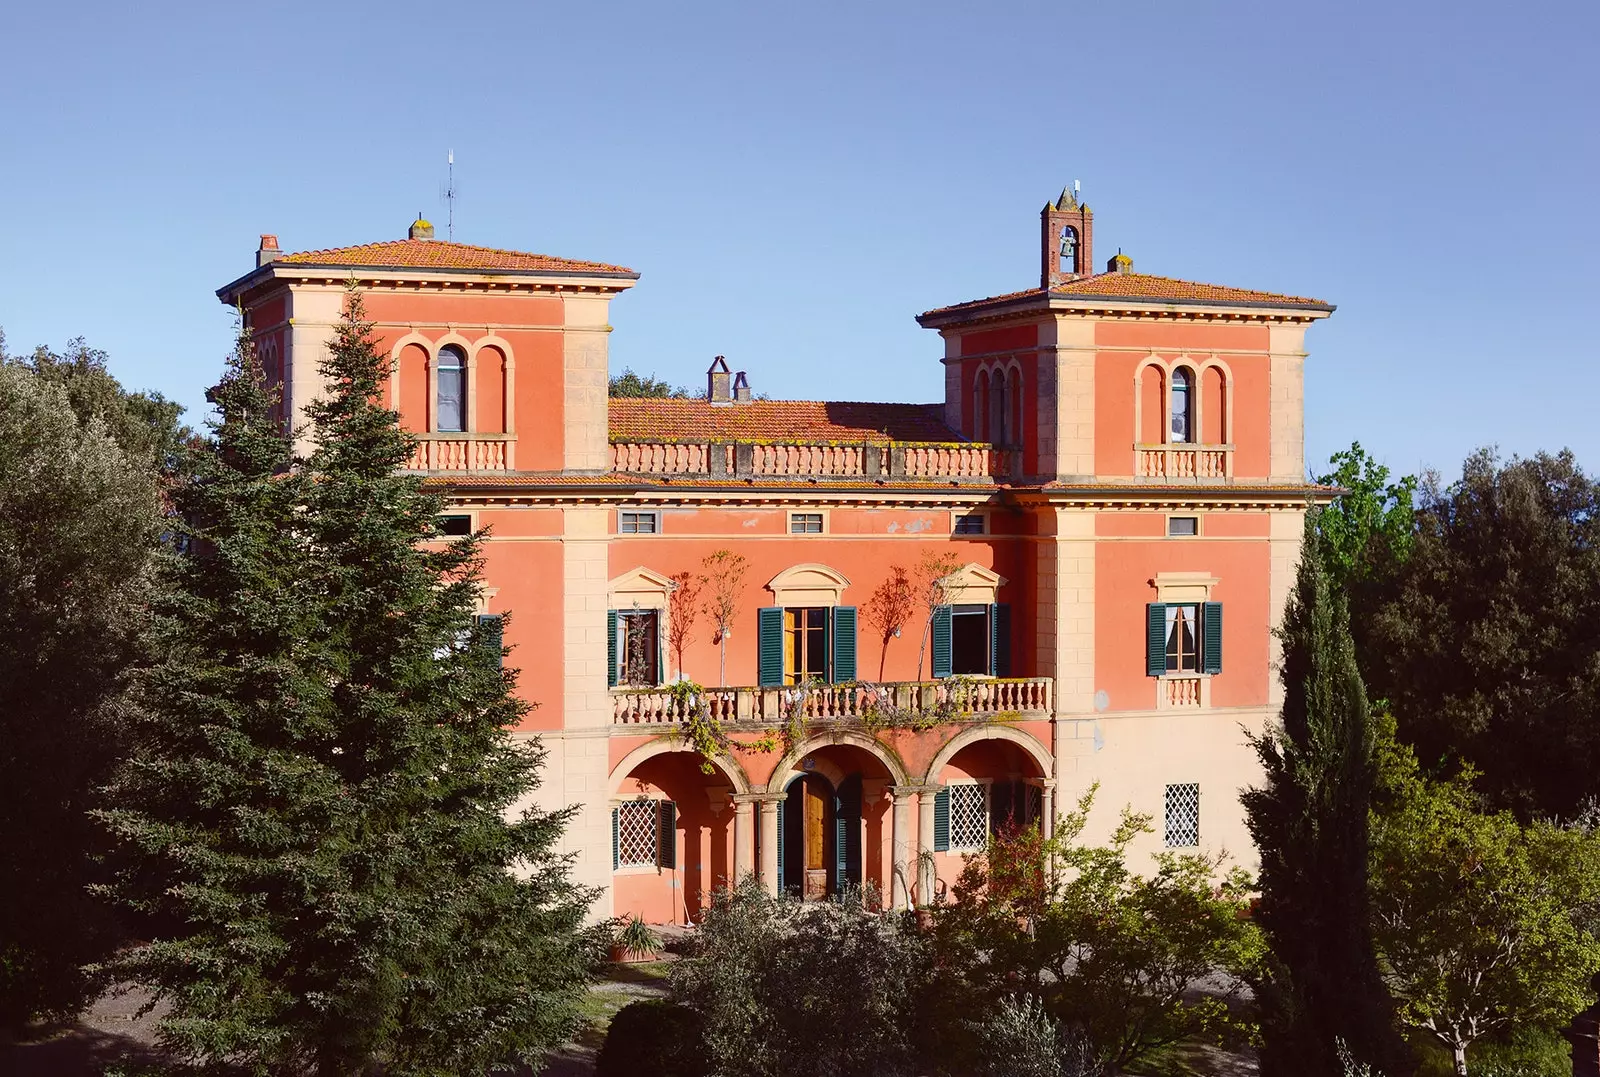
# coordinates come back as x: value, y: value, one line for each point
x: 1481, y: 923
x: 654, y: 1036
x: 1310, y: 821
x: 78, y: 527
x: 317, y: 803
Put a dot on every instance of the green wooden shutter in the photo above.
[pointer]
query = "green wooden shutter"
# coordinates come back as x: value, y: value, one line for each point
x: 493, y: 636
x: 780, y: 846
x: 844, y: 644
x: 941, y: 642
x: 616, y: 838
x: 769, y: 646
x: 611, y: 648
x: 941, y: 820
x: 847, y: 833
x: 667, y: 834
x: 1001, y: 805
x: 1211, y: 637
x: 661, y: 654
x: 1155, y: 639
x: 999, y: 641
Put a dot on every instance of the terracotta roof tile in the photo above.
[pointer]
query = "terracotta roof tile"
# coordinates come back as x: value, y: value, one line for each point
x: 440, y: 254
x: 1147, y: 287
x: 634, y: 419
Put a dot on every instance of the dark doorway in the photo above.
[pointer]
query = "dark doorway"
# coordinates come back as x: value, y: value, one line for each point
x: 806, y: 854
x: 969, y: 640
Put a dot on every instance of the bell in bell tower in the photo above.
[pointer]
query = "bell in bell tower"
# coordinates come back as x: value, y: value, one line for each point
x: 1067, y: 233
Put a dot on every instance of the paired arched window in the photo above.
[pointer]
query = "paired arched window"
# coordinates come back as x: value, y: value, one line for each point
x: 999, y: 410
x: 1183, y: 429
x: 451, y: 403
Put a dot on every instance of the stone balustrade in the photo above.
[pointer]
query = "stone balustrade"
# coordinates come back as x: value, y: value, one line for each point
x: 956, y: 699
x: 1180, y: 690
x: 774, y: 460
x: 1177, y: 463
x: 463, y: 452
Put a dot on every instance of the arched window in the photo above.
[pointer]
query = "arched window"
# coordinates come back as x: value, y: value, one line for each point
x: 1182, y: 406
x: 999, y: 410
x: 451, y: 407
x: 980, y: 407
x: 1069, y: 249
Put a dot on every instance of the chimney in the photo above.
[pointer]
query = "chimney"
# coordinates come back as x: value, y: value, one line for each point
x: 741, y: 388
x: 1119, y: 263
x: 268, y: 251
x: 717, y: 378
x: 420, y: 229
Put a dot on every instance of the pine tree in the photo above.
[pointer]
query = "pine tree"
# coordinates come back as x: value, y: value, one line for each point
x: 1310, y: 825
x: 224, y: 802
x: 454, y: 940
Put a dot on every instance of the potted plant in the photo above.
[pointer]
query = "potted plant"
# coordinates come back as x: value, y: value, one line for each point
x: 634, y: 940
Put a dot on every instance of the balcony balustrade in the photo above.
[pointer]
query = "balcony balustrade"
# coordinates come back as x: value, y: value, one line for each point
x: 770, y: 460
x: 463, y: 452
x: 956, y: 699
x: 1181, y: 690
x: 1178, y: 463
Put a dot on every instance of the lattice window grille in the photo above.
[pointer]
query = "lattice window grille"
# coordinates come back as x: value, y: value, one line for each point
x: 1183, y: 816
x: 636, y: 833
x: 969, y: 816
x: 1035, y: 804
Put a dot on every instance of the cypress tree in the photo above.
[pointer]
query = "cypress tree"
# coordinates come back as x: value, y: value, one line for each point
x: 454, y: 940
x: 1310, y: 824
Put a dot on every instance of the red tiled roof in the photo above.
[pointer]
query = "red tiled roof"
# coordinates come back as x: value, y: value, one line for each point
x: 1143, y: 286
x: 440, y: 254
x: 635, y: 419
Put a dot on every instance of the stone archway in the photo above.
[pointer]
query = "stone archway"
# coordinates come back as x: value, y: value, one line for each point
x: 1028, y: 743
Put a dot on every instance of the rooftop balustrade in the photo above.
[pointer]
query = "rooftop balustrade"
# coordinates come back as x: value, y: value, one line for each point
x: 886, y: 460
x: 956, y: 699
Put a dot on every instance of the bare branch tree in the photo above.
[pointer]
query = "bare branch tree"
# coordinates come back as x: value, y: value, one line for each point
x: 724, y: 578
x: 889, y: 608
x: 683, y: 609
x: 933, y: 582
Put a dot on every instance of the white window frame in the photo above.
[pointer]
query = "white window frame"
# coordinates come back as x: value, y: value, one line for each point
x: 1167, y: 812
x: 957, y: 515
x: 653, y: 514
x: 639, y: 806
x: 470, y: 514
x: 1184, y: 516
x: 821, y: 514
x: 988, y: 807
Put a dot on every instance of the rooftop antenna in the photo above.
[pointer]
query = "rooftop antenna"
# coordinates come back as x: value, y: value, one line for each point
x: 450, y: 197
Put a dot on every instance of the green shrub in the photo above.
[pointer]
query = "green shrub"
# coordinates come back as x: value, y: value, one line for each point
x: 654, y: 1036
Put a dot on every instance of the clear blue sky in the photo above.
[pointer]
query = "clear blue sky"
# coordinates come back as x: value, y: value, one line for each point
x: 796, y: 183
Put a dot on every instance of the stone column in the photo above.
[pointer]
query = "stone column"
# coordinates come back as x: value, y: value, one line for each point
x: 901, y: 844
x: 925, y: 875
x: 769, y: 843
x: 744, y: 835
x: 1047, y: 807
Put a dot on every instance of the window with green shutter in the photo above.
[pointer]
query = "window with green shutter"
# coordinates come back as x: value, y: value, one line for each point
x: 1155, y: 639
x: 940, y: 642
x: 1211, y: 637
x: 941, y: 820
x: 780, y: 846
x: 667, y: 839
x: 611, y: 648
x: 1000, y: 643
x: 844, y: 644
x: 769, y: 647
x: 616, y: 838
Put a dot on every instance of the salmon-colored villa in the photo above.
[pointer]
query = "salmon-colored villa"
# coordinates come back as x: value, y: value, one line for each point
x: 1099, y: 522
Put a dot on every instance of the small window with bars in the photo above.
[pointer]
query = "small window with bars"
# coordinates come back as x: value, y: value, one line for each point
x: 1183, y: 816
x: 971, y: 523
x: 1178, y: 526
x: 805, y: 523
x: 638, y: 831
x: 969, y: 816
x: 638, y: 523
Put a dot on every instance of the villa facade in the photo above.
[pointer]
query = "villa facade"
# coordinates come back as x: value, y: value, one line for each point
x: 1112, y: 487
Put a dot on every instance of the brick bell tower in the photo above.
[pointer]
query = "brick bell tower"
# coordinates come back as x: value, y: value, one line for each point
x: 1066, y: 241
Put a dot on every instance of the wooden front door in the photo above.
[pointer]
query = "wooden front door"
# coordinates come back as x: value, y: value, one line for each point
x: 817, y: 802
